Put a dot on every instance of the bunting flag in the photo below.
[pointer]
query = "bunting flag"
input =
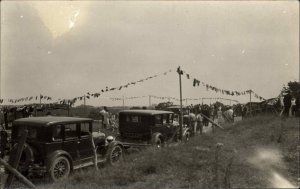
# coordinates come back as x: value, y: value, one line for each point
x: 197, y: 82
x: 88, y: 96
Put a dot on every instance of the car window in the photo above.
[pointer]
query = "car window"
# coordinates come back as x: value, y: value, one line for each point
x: 170, y: 118
x: 32, y: 132
x: 158, y: 119
x: 70, y: 131
x: 85, y: 129
x: 134, y: 119
x: 165, y: 119
x: 127, y: 118
x: 57, y: 134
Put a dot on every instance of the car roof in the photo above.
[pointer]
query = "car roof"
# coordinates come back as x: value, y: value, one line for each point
x: 145, y: 112
x: 49, y: 120
x: 175, y: 107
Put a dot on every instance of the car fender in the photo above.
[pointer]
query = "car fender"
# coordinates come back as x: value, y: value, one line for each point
x: 56, y: 154
x: 115, y: 142
x: 156, y: 136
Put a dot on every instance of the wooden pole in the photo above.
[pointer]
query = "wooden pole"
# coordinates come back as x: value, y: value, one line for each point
x: 84, y: 103
x: 250, y: 107
x: 210, y: 120
x: 181, y: 115
x: 149, y: 100
x: 15, y: 156
x: 95, y: 153
x: 202, y: 100
x: 123, y: 103
x: 40, y: 100
x: 17, y: 174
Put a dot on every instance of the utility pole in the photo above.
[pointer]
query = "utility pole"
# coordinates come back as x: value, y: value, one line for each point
x: 202, y: 100
x: 181, y: 115
x: 123, y: 102
x: 250, y: 107
x: 149, y: 100
x: 40, y: 99
x: 84, y: 103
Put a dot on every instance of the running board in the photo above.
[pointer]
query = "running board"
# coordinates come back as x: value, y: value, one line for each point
x: 90, y: 163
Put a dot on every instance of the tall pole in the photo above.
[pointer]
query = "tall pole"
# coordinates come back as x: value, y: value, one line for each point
x: 181, y: 115
x: 84, y: 103
x: 40, y: 100
x: 250, y: 107
x: 123, y: 103
x: 202, y: 100
x: 149, y: 100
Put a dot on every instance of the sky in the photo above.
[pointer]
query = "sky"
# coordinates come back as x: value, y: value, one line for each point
x: 65, y: 49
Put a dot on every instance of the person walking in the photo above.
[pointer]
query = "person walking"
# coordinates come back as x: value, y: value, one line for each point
x: 287, y: 102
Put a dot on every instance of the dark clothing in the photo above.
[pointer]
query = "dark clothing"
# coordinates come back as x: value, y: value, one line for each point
x: 207, y: 114
x: 297, y: 107
x: 287, y: 102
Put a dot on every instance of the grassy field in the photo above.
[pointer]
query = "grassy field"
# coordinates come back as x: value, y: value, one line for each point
x: 257, y: 152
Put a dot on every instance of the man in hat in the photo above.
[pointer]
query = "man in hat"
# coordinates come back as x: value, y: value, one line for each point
x: 287, y: 102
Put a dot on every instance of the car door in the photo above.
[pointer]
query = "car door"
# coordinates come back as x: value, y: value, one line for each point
x: 85, y: 146
x: 71, y: 140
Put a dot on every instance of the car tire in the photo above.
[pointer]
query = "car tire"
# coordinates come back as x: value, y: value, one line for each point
x: 60, y: 168
x: 158, y: 143
x: 115, y: 154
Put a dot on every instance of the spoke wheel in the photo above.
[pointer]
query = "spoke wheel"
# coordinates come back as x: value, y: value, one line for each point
x: 60, y: 168
x: 115, y: 154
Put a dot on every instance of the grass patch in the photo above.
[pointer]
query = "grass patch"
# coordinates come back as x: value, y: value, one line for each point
x: 195, y: 164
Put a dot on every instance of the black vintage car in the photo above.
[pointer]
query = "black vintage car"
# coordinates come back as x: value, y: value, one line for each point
x: 148, y: 127
x: 55, y: 146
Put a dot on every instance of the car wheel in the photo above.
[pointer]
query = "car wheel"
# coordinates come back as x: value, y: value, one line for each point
x: 159, y: 143
x: 60, y: 168
x: 114, y: 154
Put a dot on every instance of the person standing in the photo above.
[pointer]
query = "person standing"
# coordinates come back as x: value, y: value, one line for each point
x: 105, y: 117
x: 287, y: 102
x: 199, y: 123
x: 297, y: 104
x: 220, y: 116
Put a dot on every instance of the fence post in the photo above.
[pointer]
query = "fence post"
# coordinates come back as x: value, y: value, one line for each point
x: 95, y: 153
x: 15, y: 156
x: 18, y: 175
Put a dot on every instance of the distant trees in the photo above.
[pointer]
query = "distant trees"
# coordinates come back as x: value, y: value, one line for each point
x: 293, y: 86
x: 163, y: 105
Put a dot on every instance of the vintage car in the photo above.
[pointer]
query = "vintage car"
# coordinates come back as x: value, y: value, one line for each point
x: 148, y: 127
x: 55, y: 146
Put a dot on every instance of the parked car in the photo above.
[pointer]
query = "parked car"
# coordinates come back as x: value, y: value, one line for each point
x: 148, y: 127
x: 55, y: 146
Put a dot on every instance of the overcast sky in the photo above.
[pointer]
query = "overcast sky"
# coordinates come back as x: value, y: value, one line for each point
x: 66, y: 49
